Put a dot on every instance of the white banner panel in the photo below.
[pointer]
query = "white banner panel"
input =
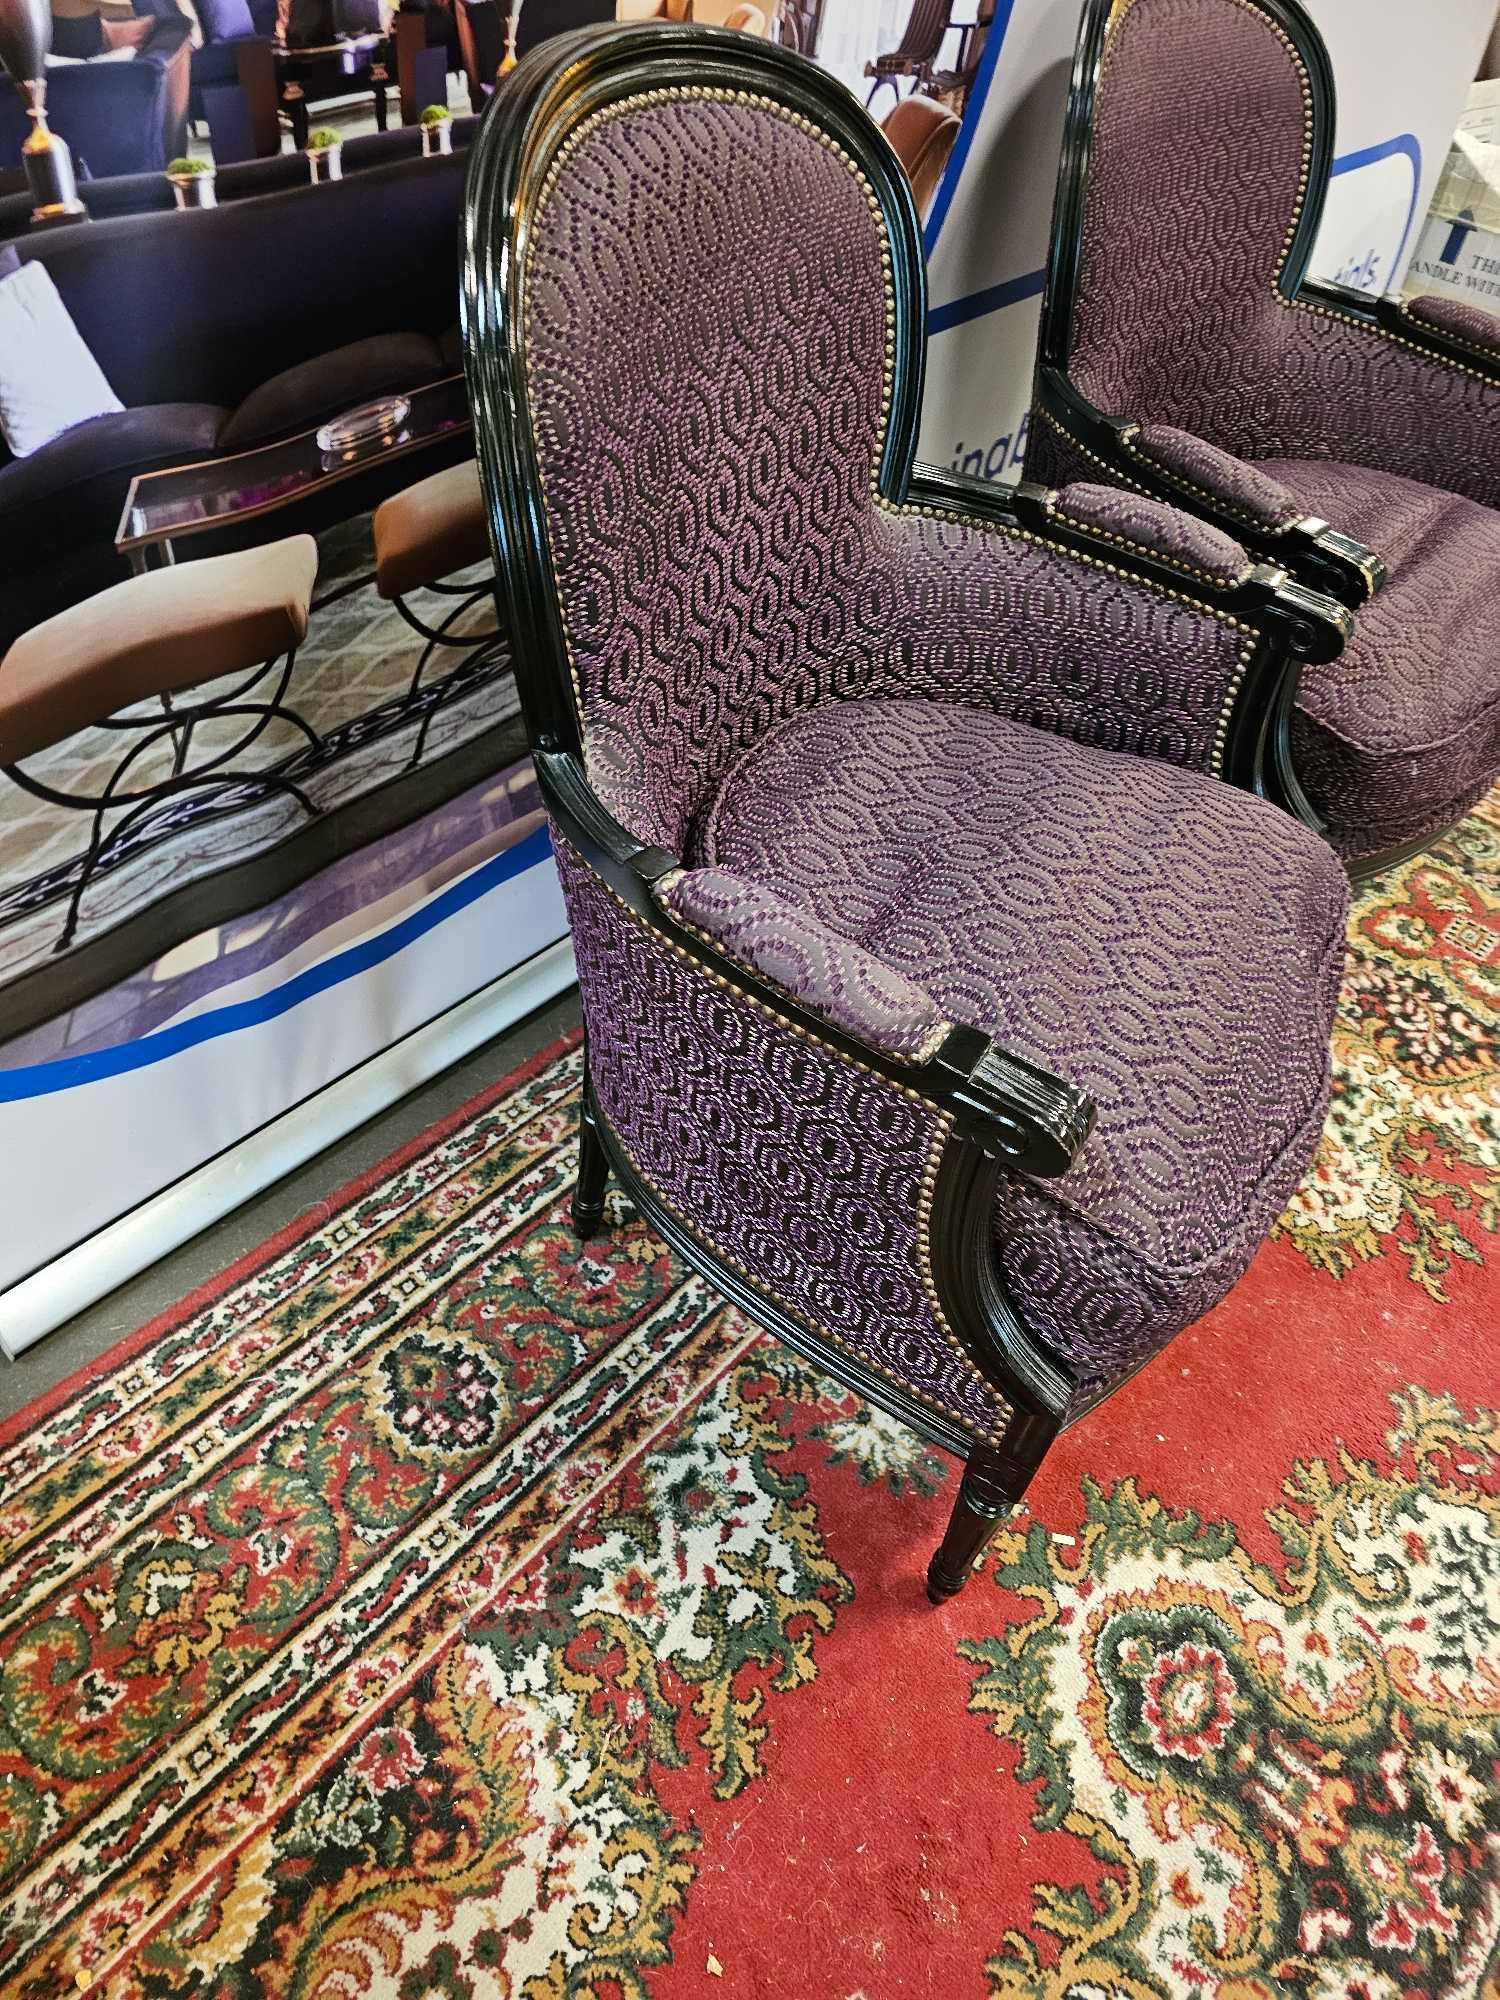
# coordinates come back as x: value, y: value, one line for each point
x: 1401, y: 72
x: 90, y: 1135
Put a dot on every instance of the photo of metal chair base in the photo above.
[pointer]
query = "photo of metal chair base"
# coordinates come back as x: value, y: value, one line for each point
x: 423, y: 537
x: 143, y: 644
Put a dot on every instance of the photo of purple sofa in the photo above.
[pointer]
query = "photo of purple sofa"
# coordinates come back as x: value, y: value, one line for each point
x: 221, y: 329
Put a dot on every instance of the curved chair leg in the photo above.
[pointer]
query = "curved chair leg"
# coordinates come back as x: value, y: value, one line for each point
x: 993, y: 1482
x: 593, y: 1174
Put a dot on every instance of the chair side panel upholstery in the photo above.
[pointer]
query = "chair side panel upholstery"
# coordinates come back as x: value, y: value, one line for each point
x: 804, y: 1172
x: 998, y: 620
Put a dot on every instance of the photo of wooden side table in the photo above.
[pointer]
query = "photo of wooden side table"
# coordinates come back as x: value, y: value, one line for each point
x: 342, y: 68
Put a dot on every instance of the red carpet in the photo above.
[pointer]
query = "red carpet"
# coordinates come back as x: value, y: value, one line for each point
x: 432, y: 1611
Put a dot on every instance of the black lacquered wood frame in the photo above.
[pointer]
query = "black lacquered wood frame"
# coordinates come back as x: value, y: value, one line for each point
x: 1005, y: 1112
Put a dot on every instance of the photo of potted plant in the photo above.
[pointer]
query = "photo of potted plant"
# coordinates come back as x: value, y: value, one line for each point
x: 324, y: 151
x: 192, y: 183
x: 436, y: 122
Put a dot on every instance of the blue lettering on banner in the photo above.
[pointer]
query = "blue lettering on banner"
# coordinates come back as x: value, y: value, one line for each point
x: 1405, y: 146
x: 1007, y: 452
x: 1362, y: 272
x: 1458, y: 236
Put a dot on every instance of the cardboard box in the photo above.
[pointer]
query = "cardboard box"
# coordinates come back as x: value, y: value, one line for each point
x: 1458, y: 253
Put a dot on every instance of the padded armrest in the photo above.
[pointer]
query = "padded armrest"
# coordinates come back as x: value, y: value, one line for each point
x: 1151, y: 527
x: 1232, y: 484
x: 1461, y: 324
x: 831, y: 976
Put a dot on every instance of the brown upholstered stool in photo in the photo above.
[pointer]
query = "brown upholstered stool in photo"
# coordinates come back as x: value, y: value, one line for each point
x: 150, y: 639
x: 922, y: 133
x: 422, y: 537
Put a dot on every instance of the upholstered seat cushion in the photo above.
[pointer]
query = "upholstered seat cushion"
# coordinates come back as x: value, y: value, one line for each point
x: 429, y: 530
x: 1171, y: 945
x: 1398, y: 736
x: 329, y: 383
x: 170, y: 629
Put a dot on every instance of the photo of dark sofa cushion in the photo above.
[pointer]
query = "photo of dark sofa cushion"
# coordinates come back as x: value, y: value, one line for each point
x: 302, y: 396
x: 267, y: 315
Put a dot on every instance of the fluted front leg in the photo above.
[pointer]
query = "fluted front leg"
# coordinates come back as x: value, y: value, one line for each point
x: 993, y: 1482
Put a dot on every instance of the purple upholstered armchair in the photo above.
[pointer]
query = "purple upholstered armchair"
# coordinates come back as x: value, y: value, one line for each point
x: 943, y: 1005
x: 1185, y: 354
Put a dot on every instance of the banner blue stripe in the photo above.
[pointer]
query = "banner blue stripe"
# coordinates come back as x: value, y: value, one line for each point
x: 1012, y: 291
x: 994, y: 298
x: 973, y: 110
x: 69, y: 1072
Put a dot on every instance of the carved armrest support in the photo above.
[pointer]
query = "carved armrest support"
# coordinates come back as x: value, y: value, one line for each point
x: 1162, y: 539
x: 1456, y: 331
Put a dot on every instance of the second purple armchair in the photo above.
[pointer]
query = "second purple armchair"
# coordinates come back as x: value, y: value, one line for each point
x: 943, y: 1005
x: 1185, y: 354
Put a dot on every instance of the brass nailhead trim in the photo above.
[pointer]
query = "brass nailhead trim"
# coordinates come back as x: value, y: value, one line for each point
x: 925, y: 1190
x: 1184, y: 484
x: 1116, y: 477
x: 1490, y: 354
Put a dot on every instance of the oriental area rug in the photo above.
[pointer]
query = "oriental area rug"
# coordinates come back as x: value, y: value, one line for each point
x: 433, y: 1609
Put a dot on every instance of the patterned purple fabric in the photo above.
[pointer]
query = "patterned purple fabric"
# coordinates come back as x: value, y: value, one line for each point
x: 1201, y: 468
x: 831, y: 975
x: 708, y: 419
x: 1055, y: 458
x: 1198, y: 143
x: 1169, y: 944
x: 705, y: 332
x: 1165, y: 532
x: 1471, y: 325
x: 799, y: 1168
x: 1395, y: 739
